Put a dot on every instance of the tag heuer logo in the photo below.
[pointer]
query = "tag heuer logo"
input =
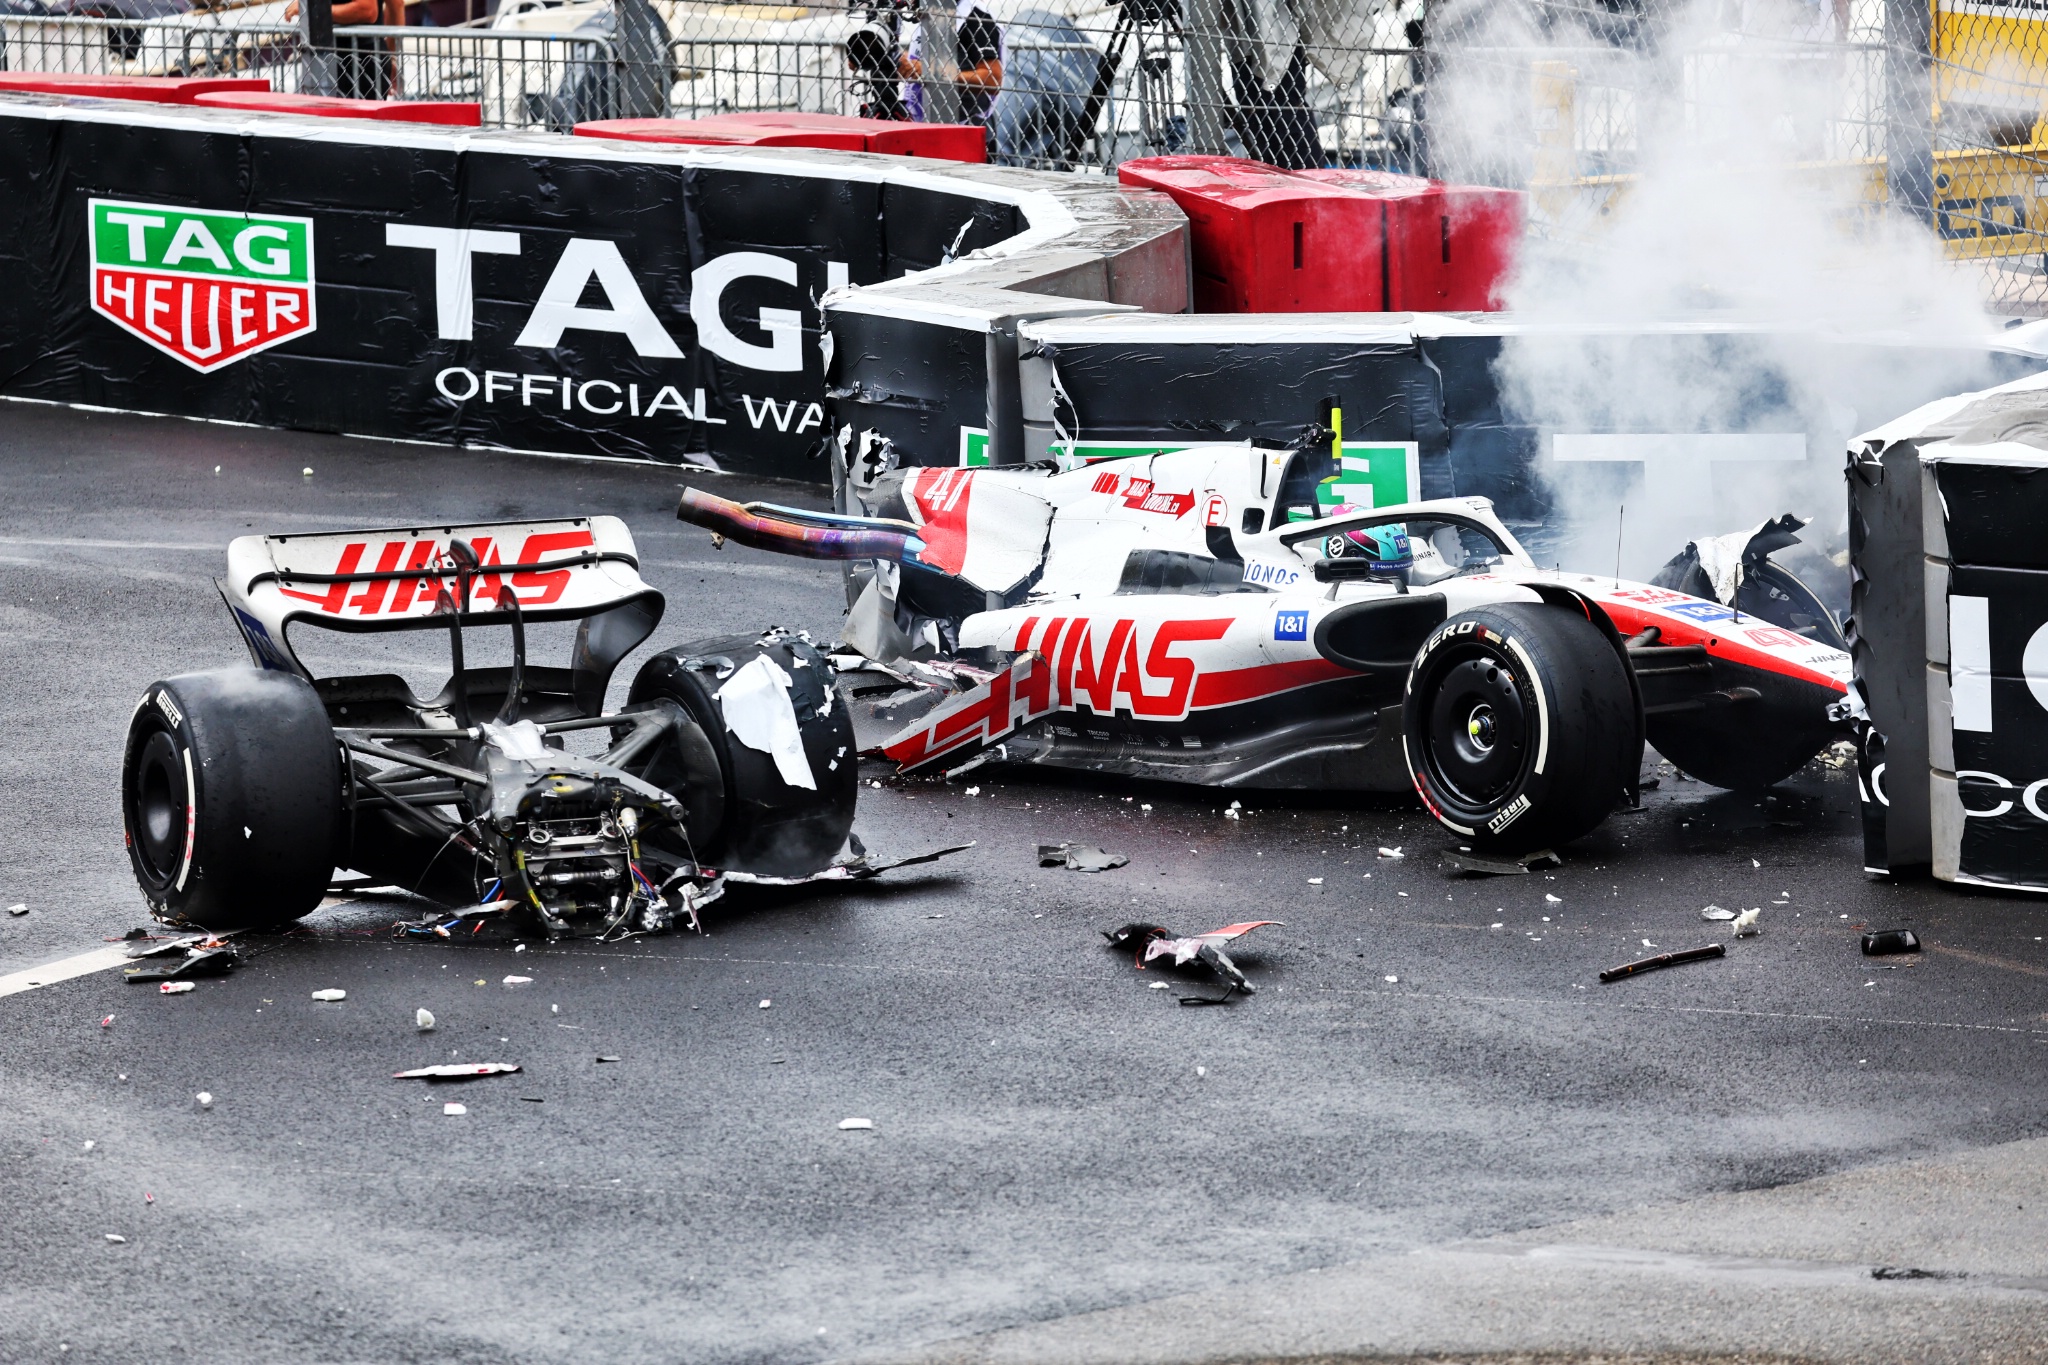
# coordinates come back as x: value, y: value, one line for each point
x: 209, y: 288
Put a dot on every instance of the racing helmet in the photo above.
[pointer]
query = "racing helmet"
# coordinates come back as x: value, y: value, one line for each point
x: 1386, y: 547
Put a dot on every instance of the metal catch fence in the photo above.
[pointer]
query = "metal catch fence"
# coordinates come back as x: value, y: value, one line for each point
x: 1935, y: 108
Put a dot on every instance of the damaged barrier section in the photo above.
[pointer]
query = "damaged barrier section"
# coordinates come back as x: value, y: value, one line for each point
x: 1429, y: 406
x: 519, y: 290
x: 1948, y: 636
x: 749, y: 306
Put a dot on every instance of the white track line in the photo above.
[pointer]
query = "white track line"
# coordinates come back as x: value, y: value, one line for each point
x: 74, y: 543
x: 63, y: 969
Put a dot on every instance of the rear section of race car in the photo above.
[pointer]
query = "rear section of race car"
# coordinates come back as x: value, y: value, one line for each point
x: 244, y: 788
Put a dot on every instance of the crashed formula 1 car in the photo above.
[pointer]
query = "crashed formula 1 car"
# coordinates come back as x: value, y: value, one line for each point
x: 1236, y: 616
x: 244, y: 788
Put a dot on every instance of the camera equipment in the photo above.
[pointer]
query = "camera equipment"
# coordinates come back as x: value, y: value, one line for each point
x: 1148, y: 21
x: 871, y: 52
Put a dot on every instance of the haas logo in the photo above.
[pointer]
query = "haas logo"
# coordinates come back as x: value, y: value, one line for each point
x: 416, y: 596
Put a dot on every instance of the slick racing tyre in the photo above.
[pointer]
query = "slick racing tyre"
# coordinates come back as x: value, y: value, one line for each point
x: 1519, y: 726
x: 769, y: 825
x: 231, y: 798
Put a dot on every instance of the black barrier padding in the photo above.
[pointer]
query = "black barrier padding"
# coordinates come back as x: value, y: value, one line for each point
x: 39, y: 337
x: 377, y: 363
x: 1995, y: 513
x: 1231, y: 392
x: 836, y: 220
x: 1491, y: 454
x: 2018, y: 608
x: 2002, y: 836
x: 1887, y: 630
x: 919, y: 227
x: 2003, y: 764
x: 1497, y: 462
x: 1438, y: 392
x: 916, y: 383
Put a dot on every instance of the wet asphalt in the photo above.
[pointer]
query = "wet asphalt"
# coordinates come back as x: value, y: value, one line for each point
x: 1427, y: 1059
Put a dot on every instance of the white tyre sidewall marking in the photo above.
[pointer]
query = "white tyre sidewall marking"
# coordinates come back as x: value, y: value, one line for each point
x: 1542, y: 703
x: 191, y: 819
x: 1430, y: 806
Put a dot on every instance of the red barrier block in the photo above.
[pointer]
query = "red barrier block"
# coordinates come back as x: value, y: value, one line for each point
x: 712, y: 132
x: 1266, y: 241
x: 449, y: 113
x: 939, y: 141
x: 154, y: 89
x: 832, y: 132
x: 1449, y: 248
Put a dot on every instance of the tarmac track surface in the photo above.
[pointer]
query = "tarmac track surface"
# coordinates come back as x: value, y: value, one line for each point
x: 1051, y: 1136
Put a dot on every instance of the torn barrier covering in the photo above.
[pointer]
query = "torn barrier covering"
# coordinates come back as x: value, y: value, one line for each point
x: 1887, y: 632
x: 510, y: 290
x: 1946, y: 505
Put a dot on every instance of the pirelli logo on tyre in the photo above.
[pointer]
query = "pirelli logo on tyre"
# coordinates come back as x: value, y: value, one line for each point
x: 1509, y: 813
x: 206, y: 286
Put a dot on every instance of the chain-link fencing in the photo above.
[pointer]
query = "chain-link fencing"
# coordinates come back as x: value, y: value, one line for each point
x: 1890, y: 103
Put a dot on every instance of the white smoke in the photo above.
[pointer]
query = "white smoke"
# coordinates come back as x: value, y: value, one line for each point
x: 1747, y: 219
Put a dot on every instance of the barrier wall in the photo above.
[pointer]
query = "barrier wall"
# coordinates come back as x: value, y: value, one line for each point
x: 1946, y: 504
x: 740, y: 306
x: 519, y: 290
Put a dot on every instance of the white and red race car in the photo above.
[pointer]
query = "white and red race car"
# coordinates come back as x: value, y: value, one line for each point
x: 1217, y: 616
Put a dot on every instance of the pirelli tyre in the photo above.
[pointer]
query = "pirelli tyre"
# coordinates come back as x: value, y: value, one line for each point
x: 231, y: 798
x: 1519, y: 726
x: 767, y: 824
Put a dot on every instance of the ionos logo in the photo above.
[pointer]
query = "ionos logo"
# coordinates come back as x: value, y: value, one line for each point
x: 207, y: 287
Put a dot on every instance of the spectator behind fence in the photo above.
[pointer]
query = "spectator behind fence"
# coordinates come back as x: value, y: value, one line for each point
x: 362, y: 66
x: 1041, y: 118
x: 978, y: 43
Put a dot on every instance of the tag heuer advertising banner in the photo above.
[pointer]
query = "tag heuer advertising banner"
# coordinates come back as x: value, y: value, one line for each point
x: 520, y: 291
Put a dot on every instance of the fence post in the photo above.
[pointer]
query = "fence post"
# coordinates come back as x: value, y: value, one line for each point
x: 941, y: 58
x: 1909, y: 107
x: 316, y: 39
x: 1202, y: 51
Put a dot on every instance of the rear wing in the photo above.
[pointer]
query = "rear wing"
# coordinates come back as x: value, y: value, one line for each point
x: 403, y: 578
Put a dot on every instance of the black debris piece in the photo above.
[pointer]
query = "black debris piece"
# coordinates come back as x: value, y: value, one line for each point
x: 1651, y: 964
x: 858, y: 868
x: 1906, y: 1272
x: 1078, y: 858
x: 1468, y: 864
x: 1883, y: 942
x: 607, y: 1059
x: 211, y: 958
x: 1218, y: 961
x: 134, y: 934
x: 1151, y: 941
x: 165, y: 947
